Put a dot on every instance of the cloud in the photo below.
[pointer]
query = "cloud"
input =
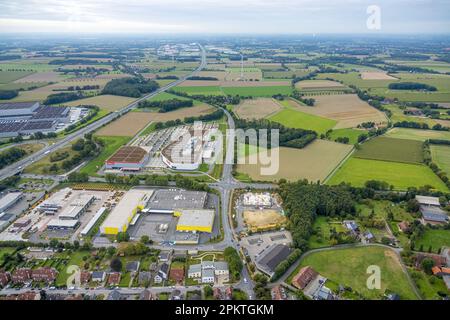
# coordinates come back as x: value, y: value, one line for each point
x: 220, y: 16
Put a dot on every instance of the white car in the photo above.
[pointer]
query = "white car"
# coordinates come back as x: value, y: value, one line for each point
x: 245, y: 280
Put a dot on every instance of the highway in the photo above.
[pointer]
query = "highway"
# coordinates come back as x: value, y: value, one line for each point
x: 19, y: 165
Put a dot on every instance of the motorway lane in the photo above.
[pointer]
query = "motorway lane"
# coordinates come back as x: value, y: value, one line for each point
x: 19, y: 165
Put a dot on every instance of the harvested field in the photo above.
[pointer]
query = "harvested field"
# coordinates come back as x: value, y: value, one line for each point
x: 106, y: 102
x: 127, y: 125
x: 370, y: 75
x: 232, y: 83
x: 220, y: 75
x: 49, y: 76
x: 111, y: 76
x: 261, y: 218
x: 133, y: 122
x: 315, y: 162
x: 390, y: 149
x: 318, y: 84
x: 347, y: 109
x: 257, y: 108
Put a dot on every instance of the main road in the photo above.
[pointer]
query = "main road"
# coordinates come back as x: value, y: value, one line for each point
x: 19, y: 165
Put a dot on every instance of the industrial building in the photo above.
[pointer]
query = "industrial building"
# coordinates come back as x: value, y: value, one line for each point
x: 171, y: 200
x: 123, y: 214
x: 59, y: 224
x: 77, y: 207
x: 9, y: 200
x: 188, y: 154
x: 271, y: 257
x: 26, y: 118
x: 201, y: 220
x: 127, y: 158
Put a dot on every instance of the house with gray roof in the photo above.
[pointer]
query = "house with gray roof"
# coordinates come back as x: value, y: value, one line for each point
x: 433, y: 215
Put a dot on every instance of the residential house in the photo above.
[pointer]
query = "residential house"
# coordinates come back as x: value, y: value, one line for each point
x: 114, y: 278
x: 98, y: 276
x: 30, y: 295
x: 45, y: 274
x: 304, y: 277
x: 176, y: 295
x: 21, y: 275
x: 433, y: 215
x: 439, y: 260
x: 217, y: 293
x: 177, y: 275
x: 146, y: 295
x: 404, y: 226
x: 157, y: 279
x: 368, y: 236
x: 164, y: 271
x: 208, y: 271
x: 441, y: 271
x: 85, y: 277
x: 164, y: 256
x: 278, y: 293
x: 133, y: 266
x: 115, y: 295
x: 229, y: 293
x: 351, y: 226
x: 5, y: 277
x: 144, y: 278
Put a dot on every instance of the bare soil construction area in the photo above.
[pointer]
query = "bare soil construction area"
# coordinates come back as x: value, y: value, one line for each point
x: 127, y: 125
x: 261, y: 218
x: 257, y: 108
x: 371, y: 75
x: 347, y: 109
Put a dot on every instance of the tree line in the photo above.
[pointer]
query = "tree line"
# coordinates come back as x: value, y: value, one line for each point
x: 166, y: 105
x: 130, y: 87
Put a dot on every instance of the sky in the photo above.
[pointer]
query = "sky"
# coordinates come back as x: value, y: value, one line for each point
x: 225, y: 16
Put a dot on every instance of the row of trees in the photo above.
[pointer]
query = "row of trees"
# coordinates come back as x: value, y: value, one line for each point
x: 284, y: 265
x: 411, y: 86
x: 216, y: 115
x: 289, y: 137
x: 62, y: 97
x: 166, y: 105
x: 8, y: 94
x: 419, y: 125
x: 234, y: 261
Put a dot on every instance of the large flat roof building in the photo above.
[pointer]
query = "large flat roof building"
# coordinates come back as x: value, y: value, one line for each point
x: 428, y: 201
x: 127, y: 158
x: 121, y: 216
x: 196, y: 220
x: 168, y: 201
x: 272, y: 257
x: 9, y: 200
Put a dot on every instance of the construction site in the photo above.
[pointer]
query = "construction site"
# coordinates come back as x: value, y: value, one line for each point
x: 256, y: 212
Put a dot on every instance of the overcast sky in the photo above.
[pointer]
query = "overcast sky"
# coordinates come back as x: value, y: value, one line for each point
x: 223, y: 16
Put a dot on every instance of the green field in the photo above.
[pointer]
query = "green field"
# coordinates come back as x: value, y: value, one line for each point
x: 417, y: 134
x: 296, y: 119
x: 352, y: 134
x: 380, y: 87
x: 166, y: 96
x: 257, y: 91
x: 389, y: 149
x: 401, y: 175
x: 10, y: 76
x: 322, y: 227
x: 201, y: 90
x: 435, y: 238
x: 441, y: 156
x: 349, y: 267
x: 110, y: 146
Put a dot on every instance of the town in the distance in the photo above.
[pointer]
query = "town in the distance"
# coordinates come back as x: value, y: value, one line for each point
x: 120, y: 178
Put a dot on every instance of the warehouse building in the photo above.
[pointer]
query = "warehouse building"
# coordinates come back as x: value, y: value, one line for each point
x: 171, y: 200
x: 9, y: 200
x: 58, y: 224
x: 122, y: 215
x: 77, y: 207
x: 26, y: 118
x: 128, y: 158
x: 201, y: 220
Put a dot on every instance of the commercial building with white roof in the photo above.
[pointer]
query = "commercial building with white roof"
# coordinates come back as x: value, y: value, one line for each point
x: 201, y: 220
x: 9, y: 200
